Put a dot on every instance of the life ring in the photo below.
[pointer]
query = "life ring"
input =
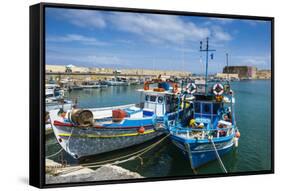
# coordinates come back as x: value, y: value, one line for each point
x: 218, y: 89
x: 191, y: 88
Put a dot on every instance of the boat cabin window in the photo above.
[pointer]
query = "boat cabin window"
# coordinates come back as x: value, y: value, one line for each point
x: 216, y: 107
x: 168, y: 100
x: 49, y: 95
x: 160, y: 99
x: 153, y: 98
x: 197, y: 107
x: 206, y: 110
x: 146, y: 97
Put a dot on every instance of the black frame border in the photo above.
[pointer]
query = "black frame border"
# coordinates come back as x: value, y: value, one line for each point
x: 37, y: 84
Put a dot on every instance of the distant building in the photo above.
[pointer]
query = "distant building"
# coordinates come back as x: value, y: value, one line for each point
x: 244, y: 72
x: 264, y: 74
x: 226, y: 75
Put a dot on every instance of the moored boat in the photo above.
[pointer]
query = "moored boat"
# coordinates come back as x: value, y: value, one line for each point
x: 54, y: 98
x: 101, y: 130
x: 89, y: 132
x: 207, y: 128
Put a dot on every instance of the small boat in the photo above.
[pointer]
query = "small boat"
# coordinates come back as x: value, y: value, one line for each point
x: 54, y: 98
x: 117, y: 82
x: 90, y: 85
x: 206, y: 129
x: 83, y: 132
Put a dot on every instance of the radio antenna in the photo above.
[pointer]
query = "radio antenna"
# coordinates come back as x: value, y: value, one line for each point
x: 207, y: 50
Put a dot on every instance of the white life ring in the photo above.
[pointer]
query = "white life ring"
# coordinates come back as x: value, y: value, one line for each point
x: 191, y: 88
x: 218, y: 89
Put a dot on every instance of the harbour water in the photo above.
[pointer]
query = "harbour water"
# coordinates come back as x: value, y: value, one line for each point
x: 253, y: 115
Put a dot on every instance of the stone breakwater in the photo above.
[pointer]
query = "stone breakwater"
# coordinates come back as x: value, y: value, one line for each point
x: 56, y: 173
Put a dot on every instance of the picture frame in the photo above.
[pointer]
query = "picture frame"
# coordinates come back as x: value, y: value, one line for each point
x: 38, y: 71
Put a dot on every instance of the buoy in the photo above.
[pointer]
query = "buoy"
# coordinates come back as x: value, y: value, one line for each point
x: 237, y: 134
x: 141, y: 129
x: 146, y: 85
x: 175, y: 88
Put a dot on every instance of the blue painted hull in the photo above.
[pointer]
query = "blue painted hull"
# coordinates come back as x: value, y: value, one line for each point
x: 202, y: 152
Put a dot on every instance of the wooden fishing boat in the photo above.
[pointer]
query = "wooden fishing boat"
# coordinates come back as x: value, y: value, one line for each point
x: 89, y: 132
x: 206, y: 129
x: 83, y: 132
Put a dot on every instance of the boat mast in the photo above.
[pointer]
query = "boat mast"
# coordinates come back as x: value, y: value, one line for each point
x: 207, y: 50
x: 227, y: 68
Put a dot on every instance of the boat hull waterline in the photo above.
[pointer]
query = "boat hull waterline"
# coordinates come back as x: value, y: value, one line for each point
x: 81, y: 142
x: 201, y: 153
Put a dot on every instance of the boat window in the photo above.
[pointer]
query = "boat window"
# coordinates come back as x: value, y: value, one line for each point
x: 152, y: 98
x: 160, y: 99
x: 206, y: 108
x: 216, y: 107
x: 48, y: 95
x: 197, y: 107
x: 168, y: 100
x: 146, y: 97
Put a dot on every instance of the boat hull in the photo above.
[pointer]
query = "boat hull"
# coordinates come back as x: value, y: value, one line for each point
x: 81, y: 142
x: 202, y: 152
x: 55, y: 105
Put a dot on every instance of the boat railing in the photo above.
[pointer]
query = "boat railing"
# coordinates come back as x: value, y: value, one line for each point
x: 198, y: 133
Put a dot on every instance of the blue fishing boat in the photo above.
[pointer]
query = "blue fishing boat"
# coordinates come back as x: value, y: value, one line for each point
x: 206, y: 129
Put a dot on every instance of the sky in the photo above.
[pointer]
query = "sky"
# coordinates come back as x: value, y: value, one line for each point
x: 119, y: 40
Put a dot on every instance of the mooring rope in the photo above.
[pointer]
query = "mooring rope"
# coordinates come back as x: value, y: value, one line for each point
x: 50, y: 156
x: 136, y: 155
x: 218, y: 156
x: 115, y: 161
x: 131, y: 156
x: 58, y: 152
x: 50, y: 144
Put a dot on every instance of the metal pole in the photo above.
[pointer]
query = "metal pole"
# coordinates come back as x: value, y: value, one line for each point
x: 227, y: 67
x: 207, y: 59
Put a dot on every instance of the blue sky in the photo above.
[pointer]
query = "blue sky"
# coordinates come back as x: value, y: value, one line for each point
x: 151, y: 41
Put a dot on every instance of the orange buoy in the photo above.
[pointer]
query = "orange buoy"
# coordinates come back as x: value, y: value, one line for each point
x: 141, y: 129
x: 146, y: 86
x: 175, y: 88
x: 237, y: 134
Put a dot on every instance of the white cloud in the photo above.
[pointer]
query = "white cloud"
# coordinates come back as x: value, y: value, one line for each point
x: 82, y: 18
x: 219, y: 34
x: 153, y: 28
x: 88, y: 58
x: 76, y: 38
x: 260, y: 62
x: 158, y: 28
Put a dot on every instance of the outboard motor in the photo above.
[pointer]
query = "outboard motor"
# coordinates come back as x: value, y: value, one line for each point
x: 84, y: 118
